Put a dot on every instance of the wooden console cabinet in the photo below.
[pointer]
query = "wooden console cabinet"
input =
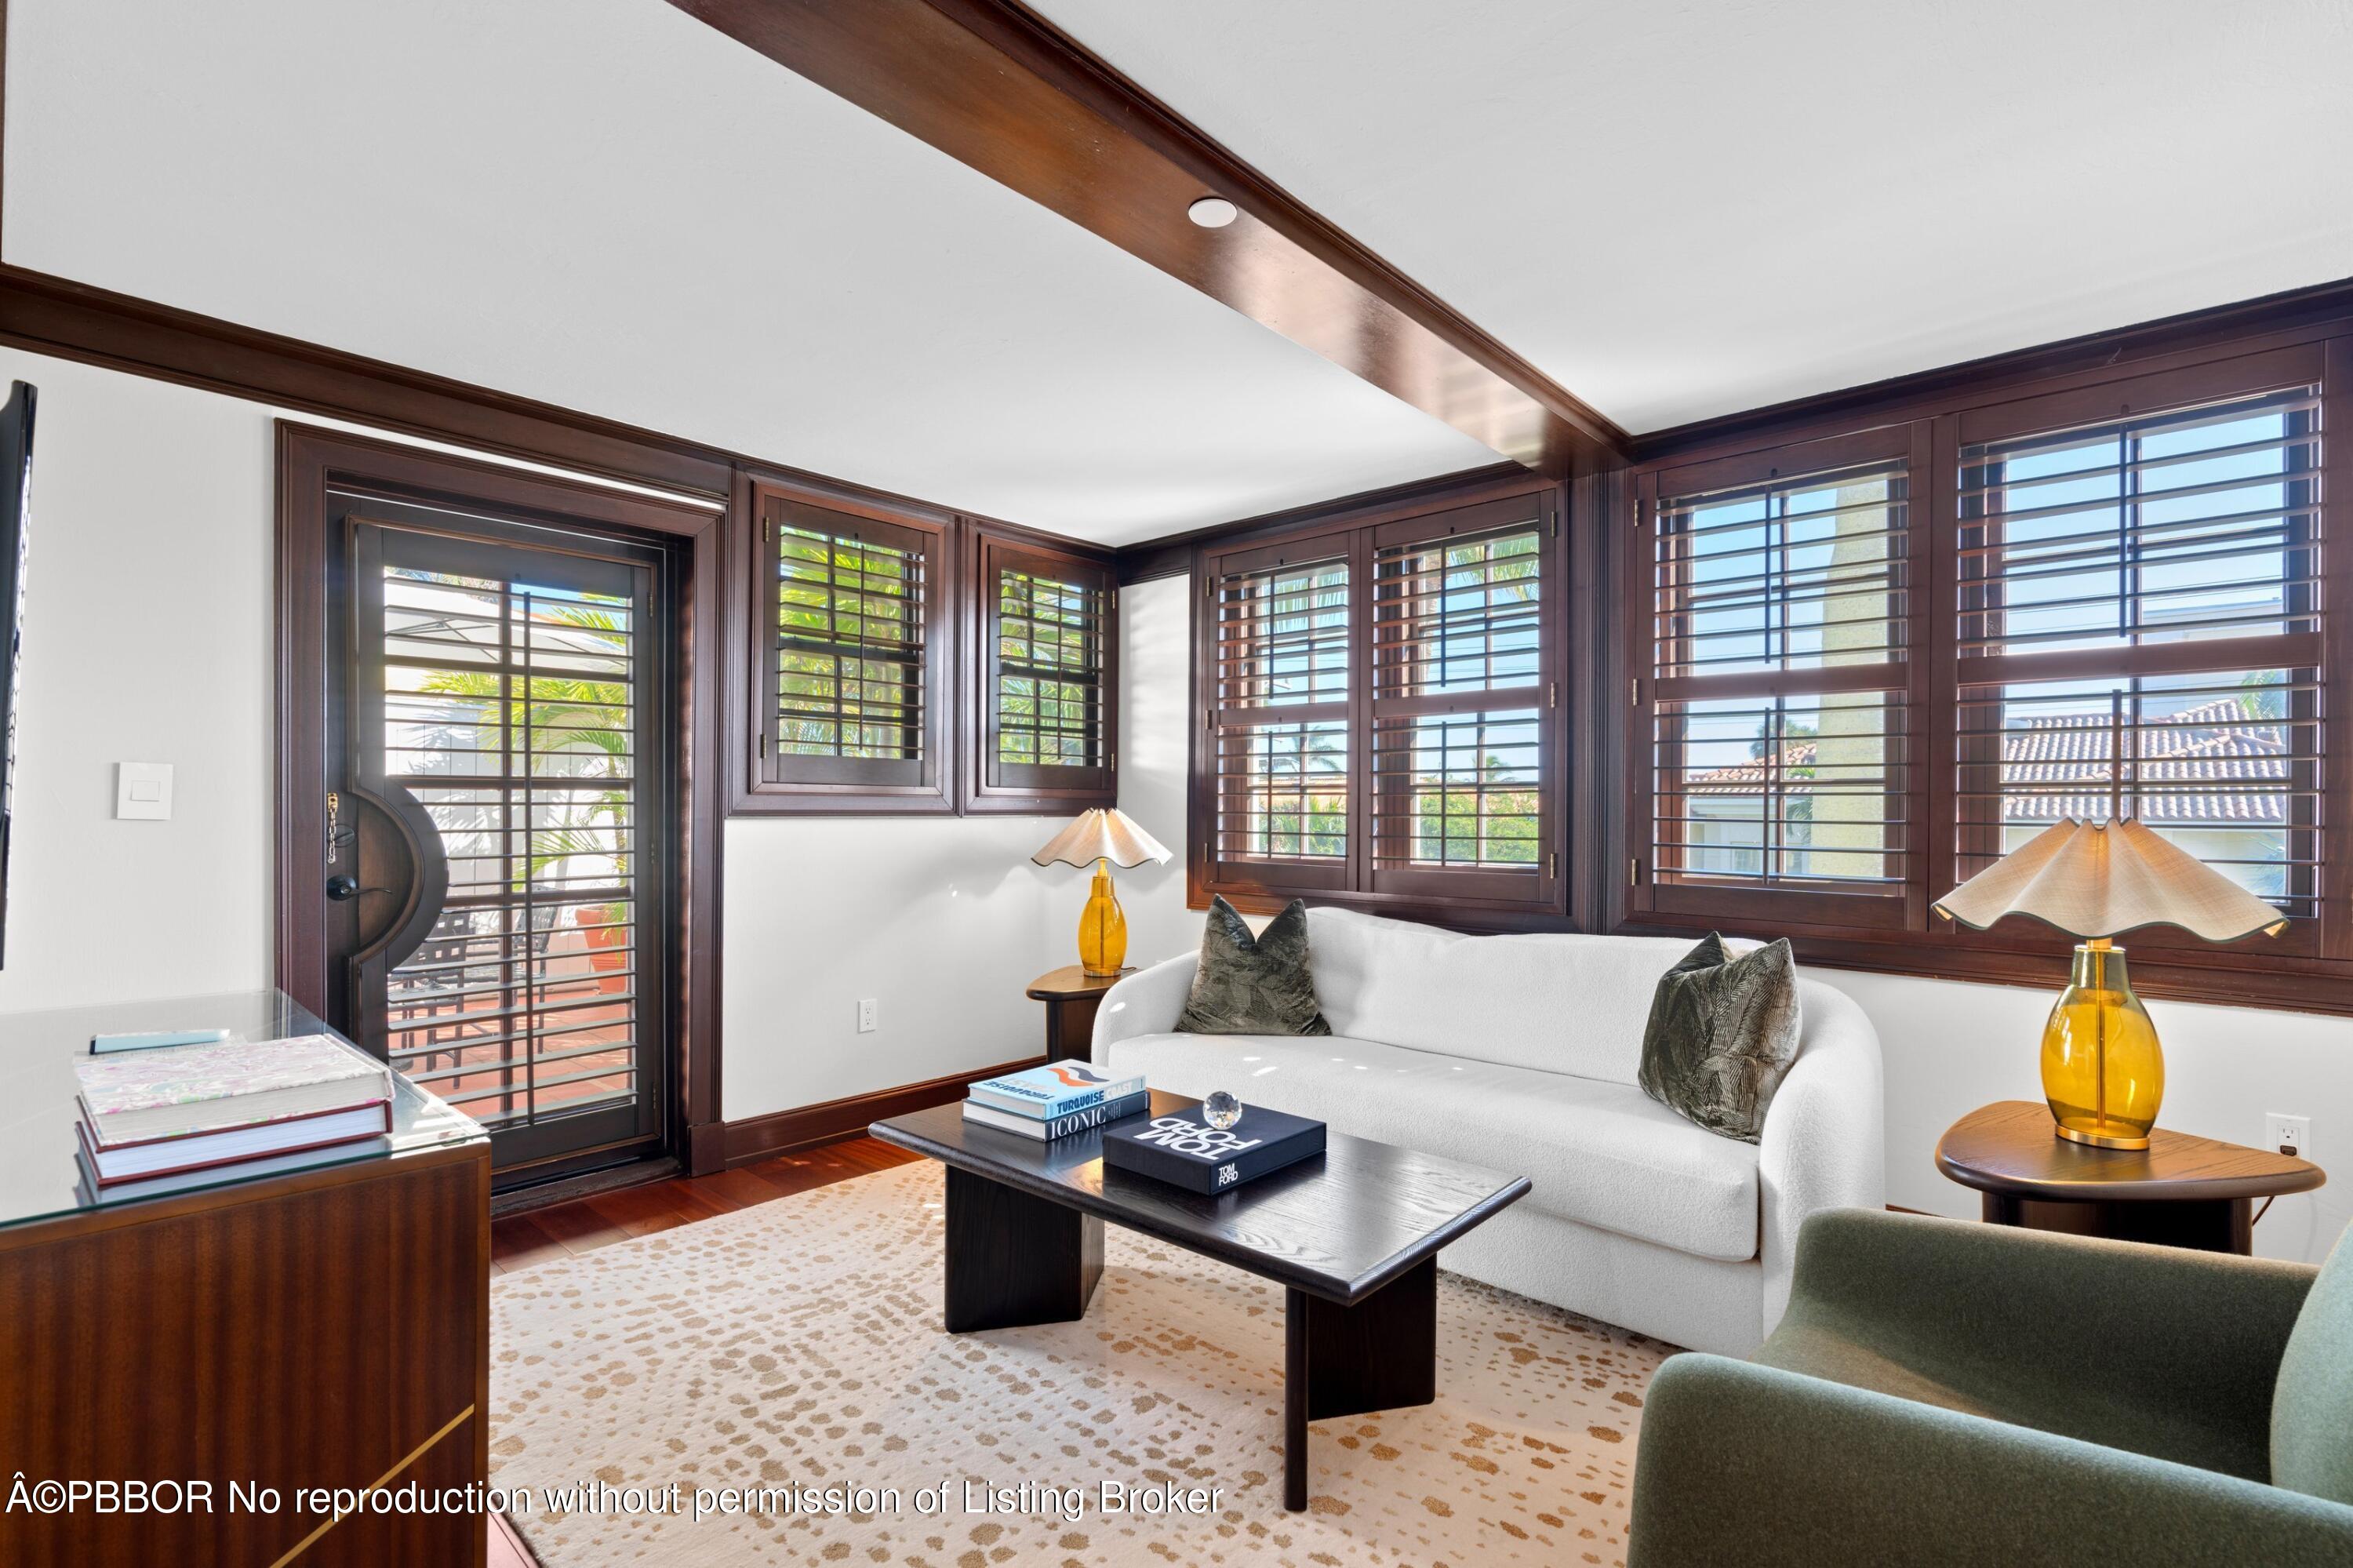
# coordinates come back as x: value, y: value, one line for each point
x: 328, y: 1328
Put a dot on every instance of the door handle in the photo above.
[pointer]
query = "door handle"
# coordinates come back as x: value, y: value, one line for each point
x: 341, y: 889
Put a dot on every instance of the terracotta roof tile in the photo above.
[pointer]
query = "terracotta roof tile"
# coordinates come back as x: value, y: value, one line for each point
x: 2059, y: 767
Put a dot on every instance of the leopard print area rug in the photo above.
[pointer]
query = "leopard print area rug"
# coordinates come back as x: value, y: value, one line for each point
x: 789, y: 1358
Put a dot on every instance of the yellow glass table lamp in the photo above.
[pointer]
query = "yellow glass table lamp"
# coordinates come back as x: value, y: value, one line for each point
x: 2103, y: 1074
x: 1107, y: 837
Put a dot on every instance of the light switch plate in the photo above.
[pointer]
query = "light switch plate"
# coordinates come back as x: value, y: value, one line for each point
x: 143, y: 791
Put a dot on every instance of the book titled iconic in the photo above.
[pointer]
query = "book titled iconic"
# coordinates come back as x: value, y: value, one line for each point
x: 1183, y: 1149
x: 182, y: 1107
x: 1055, y: 1089
x: 1085, y: 1120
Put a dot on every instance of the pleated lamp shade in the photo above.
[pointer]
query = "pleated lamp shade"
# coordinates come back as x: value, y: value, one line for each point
x: 1099, y: 834
x: 2093, y: 879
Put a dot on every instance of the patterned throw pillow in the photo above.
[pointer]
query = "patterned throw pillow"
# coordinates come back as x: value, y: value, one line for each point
x: 1722, y: 1034
x: 1254, y: 985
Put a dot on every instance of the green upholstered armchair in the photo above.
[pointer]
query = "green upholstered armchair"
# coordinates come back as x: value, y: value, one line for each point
x: 1951, y: 1393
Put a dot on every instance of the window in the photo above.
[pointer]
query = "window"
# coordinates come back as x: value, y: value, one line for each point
x: 849, y: 712
x: 1873, y: 663
x: 2140, y: 622
x: 1281, y: 652
x: 1780, y: 757
x: 1049, y: 644
x: 905, y: 663
x: 1382, y: 713
x: 1459, y: 698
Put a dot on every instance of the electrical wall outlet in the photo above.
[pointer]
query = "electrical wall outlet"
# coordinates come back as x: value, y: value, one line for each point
x: 2288, y: 1134
x: 866, y: 1016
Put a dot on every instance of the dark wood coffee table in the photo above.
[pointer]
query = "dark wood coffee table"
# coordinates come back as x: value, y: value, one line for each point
x: 1352, y: 1236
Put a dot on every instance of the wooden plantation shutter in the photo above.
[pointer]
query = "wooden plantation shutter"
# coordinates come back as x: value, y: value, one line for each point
x: 1779, y: 771
x: 1280, y: 718
x: 2140, y: 603
x: 852, y: 678
x: 1046, y: 667
x: 1384, y: 715
x: 513, y: 689
x: 1463, y: 695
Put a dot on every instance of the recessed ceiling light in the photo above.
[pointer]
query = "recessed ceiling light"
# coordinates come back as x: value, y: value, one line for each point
x: 1213, y: 212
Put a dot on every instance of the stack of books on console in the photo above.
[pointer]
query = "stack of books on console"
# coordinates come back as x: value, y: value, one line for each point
x: 1055, y: 1101
x: 175, y: 1115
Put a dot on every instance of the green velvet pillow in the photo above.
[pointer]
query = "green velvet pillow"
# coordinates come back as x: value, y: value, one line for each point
x: 1254, y: 985
x: 1722, y: 1034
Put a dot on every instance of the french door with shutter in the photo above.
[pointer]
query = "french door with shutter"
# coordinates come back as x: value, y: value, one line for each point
x: 506, y: 725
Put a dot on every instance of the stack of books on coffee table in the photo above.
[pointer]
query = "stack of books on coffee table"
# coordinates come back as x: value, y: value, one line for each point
x: 178, y: 1110
x: 1185, y: 1148
x: 1056, y: 1100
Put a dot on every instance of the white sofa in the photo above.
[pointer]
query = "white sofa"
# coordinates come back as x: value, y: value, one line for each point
x: 1520, y: 1053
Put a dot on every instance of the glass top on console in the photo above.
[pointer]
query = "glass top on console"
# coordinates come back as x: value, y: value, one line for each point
x: 40, y: 1177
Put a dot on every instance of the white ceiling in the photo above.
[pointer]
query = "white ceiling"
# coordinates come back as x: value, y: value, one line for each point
x: 1679, y: 209
x: 604, y: 204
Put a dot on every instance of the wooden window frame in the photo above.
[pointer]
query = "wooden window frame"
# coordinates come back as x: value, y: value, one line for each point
x: 1470, y: 895
x: 992, y: 786
x: 1540, y: 886
x: 1608, y: 662
x: 2312, y: 970
x: 2328, y: 932
x: 773, y: 782
x: 1699, y: 905
x: 1270, y: 883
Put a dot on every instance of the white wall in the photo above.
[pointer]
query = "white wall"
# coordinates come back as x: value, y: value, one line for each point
x: 942, y: 921
x: 1156, y: 639
x: 147, y: 638
x: 1948, y: 1047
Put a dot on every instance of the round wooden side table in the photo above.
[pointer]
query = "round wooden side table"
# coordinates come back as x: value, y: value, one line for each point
x: 1072, y: 996
x: 2180, y: 1191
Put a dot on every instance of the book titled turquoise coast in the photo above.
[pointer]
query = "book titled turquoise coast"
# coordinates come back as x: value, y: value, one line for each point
x: 1047, y: 1129
x: 1054, y: 1090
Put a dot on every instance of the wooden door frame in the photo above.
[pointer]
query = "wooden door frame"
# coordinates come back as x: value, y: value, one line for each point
x: 310, y: 460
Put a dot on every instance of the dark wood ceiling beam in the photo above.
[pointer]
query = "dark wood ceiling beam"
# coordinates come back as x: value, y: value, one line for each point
x: 997, y: 88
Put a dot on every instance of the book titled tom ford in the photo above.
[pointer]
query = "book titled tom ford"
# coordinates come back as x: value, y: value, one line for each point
x: 1183, y: 1149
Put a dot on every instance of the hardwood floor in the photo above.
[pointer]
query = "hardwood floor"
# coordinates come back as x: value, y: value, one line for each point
x: 537, y: 1235
x: 520, y: 1241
